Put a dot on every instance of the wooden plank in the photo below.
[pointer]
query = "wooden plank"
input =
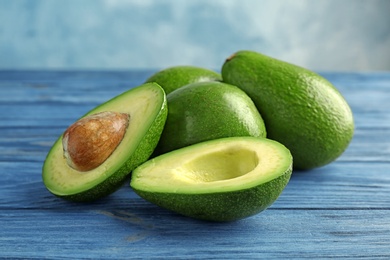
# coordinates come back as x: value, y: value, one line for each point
x: 340, y: 210
x: 137, y: 231
x: 341, y: 185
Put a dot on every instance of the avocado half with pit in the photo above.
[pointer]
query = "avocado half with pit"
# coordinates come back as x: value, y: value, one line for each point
x: 219, y: 180
x: 95, y: 154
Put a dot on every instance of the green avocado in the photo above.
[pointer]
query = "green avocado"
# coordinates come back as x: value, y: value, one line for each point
x: 175, y: 77
x: 300, y: 108
x: 146, y: 108
x: 225, y: 179
x: 204, y: 111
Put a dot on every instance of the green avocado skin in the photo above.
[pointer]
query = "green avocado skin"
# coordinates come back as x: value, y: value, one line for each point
x: 222, y: 206
x: 175, y: 77
x: 205, y: 111
x: 300, y: 108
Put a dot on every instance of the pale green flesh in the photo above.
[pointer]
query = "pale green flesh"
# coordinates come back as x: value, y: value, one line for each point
x: 142, y: 104
x: 220, y: 165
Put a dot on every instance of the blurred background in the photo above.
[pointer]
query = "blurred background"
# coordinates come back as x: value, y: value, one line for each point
x: 322, y: 35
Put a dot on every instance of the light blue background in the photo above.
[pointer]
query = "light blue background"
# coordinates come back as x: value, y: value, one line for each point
x: 323, y: 35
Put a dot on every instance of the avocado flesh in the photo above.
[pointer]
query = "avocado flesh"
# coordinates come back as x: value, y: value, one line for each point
x: 175, y: 77
x: 204, y: 111
x: 300, y: 108
x: 219, y: 180
x: 147, y: 107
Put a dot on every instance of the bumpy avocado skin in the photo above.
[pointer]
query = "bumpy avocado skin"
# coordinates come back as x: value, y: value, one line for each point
x: 300, y: 108
x: 222, y: 206
x: 175, y: 77
x: 205, y: 111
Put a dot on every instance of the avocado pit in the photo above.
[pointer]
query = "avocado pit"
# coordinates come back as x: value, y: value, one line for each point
x: 91, y: 140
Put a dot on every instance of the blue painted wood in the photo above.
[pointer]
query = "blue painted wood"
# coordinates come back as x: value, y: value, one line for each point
x: 340, y: 210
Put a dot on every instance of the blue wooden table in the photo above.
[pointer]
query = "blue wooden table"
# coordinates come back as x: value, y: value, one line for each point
x: 340, y: 210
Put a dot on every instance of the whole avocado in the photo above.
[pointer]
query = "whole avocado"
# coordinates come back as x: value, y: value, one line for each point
x: 205, y: 111
x: 178, y: 76
x: 300, y: 108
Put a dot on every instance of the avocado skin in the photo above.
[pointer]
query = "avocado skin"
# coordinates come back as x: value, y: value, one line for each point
x: 221, y: 206
x: 205, y: 111
x: 175, y: 77
x: 300, y: 108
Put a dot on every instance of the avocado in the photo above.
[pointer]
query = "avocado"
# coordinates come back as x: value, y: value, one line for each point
x: 144, y: 108
x: 208, y: 110
x: 224, y: 179
x: 300, y: 108
x: 177, y: 76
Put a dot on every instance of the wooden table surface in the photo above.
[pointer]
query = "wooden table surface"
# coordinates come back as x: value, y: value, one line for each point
x: 341, y: 210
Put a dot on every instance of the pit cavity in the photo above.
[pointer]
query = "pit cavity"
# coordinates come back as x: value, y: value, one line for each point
x: 221, y: 165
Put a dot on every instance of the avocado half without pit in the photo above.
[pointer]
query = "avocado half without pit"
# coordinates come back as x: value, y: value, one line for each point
x: 220, y: 180
x: 95, y: 154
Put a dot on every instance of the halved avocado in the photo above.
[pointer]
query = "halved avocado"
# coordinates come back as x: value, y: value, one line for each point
x: 220, y: 180
x: 146, y: 106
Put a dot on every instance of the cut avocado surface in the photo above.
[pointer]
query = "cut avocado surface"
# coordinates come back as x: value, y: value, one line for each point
x: 147, y: 109
x: 204, y: 111
x: 176, y: 77
x: 219, y: 180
